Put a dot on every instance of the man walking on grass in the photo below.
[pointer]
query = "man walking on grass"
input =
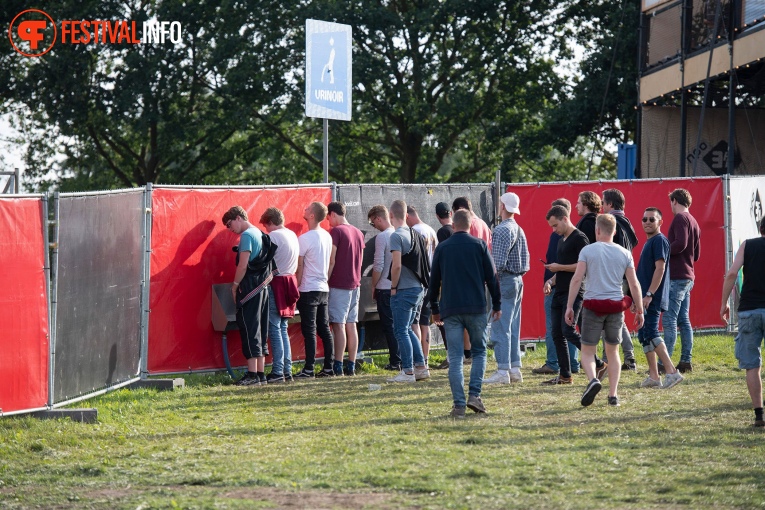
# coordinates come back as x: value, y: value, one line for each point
x: 624, y: 236
x: 551, y: 361
x: 653, y: 276
x: 511, y: 260
x: 344, y: 284
x: 751, y: 314
x: 571, y: 243
x: 462, y: 270
x: 685, y: 247
x: 605, y: 264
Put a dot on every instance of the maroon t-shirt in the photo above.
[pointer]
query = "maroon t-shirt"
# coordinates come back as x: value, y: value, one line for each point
x: 684, y: 246
x: 349, y: 242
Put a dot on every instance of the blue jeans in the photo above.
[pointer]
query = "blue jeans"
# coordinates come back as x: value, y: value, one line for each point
x: 506, y: 332
x: 404, y: 305
x: 552, y: 355
x: 650, y: 329
x: 475, y: 323
x: 751, y: 328
x: 280, y: 340
x: 676, y: 317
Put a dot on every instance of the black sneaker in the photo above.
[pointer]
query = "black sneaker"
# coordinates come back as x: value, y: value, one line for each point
x: 629, y: 364
x: 263, y: 379
x: 273, y: 378
x: 392, y: 368
x: 684, y: 366
x: 590, y: 392
x: 288, y: 378
x: 613, y: 401
x: 326, y: 373
x: 249, y: 379
x: 305, y: 374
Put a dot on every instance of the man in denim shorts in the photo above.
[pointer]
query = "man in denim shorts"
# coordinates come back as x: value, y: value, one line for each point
x: 605, y: 264
x: 344, y: 282
x: 751, y: 314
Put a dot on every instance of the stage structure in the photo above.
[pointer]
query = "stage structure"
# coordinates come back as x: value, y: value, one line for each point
x: 701, y: 88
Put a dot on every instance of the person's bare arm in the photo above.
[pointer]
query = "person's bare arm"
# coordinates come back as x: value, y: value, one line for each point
x: 299, y: 270
x: 241, y: 269
x: 730, y: 281
x: 573, y: 290
x: 332, y: 261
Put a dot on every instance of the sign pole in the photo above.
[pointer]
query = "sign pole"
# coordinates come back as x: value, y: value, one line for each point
x: 326, y: 150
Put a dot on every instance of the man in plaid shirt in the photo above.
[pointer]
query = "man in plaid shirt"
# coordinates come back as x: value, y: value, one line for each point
x: 511, y: 258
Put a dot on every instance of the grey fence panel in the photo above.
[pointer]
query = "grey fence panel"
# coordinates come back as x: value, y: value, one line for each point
x: 98, y: 316
x: 359, y: 198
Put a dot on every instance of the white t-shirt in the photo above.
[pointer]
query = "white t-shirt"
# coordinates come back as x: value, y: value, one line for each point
x: 316, y: 249
x: 606, y: 264
x: 431, y: 240
x: 286, y: 257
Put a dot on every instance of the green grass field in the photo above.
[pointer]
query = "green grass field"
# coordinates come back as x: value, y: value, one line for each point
x: 336, y: 444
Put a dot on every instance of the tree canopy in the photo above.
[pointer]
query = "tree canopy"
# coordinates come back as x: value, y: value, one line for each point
x: 444, y: 90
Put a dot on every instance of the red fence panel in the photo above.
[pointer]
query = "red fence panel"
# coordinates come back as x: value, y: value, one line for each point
x: 191, y: 251
x: 23, y: 306
x: 707, y: 208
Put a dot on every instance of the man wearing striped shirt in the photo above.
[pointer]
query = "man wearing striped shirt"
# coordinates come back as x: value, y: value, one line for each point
x: 511, y: 258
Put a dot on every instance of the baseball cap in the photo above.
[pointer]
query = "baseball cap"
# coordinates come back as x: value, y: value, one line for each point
x: 442, y: 210
x: 511, y: 202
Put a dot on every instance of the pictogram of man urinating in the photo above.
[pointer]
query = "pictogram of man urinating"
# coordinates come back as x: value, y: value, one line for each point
x: 328, y: 68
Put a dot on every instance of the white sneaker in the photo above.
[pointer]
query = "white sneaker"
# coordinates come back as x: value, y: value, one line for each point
x: 403, y: 377
x: 498, y: 378
x: 515, y: 375
x: 671, y: 380
x: 421, y: 373
x: 651, y: 383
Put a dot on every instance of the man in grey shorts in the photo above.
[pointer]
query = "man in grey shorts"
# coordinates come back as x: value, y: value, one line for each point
x: 605, y: 264
x: 344, y: 282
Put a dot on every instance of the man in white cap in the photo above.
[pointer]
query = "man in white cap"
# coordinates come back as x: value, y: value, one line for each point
x: 511, y: 258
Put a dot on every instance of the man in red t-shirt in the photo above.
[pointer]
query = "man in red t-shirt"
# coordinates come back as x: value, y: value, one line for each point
x: 344, y: 282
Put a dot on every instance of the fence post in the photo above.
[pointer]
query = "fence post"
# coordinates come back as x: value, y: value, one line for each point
x: 727, y: 221
x: 52, y: 248
x: 145, y: 280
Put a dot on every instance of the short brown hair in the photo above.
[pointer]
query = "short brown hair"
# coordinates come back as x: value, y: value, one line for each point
x: 233, y: 213
x: 590, y: 200
x: 462, y: 203
x: 378, y: 211
x: 319, y: 211
x: 614, y: 197
x: 564, y: 202
x: 272, y: 215
x: 398, y: 209
x: 337, y: 208
x: 681, y: 196
x: 557, y: 211
x: 606, y: 223
x: 462, y: 219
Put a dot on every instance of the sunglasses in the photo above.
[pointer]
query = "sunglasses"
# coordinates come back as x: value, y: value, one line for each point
x: 651, y: 219
x: 228, y: 223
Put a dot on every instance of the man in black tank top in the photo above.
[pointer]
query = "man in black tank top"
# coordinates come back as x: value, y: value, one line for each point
x: 751, y: 314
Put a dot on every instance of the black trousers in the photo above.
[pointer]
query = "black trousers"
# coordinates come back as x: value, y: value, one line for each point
x: 562, y: 333
x: 252, y: 319
x: 314, y: 318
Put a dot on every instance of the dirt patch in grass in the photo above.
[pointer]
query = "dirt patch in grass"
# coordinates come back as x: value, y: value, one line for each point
x: 267, y: 497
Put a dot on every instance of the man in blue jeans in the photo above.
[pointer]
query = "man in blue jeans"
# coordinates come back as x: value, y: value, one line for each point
x: 282, y: 293
x: 511, y: 260
x: 406, y: 294
x: 462, y: 269
x: 653, y: 276
x: 551, y: 361
x: 685, y: 247
x: 751, y: 314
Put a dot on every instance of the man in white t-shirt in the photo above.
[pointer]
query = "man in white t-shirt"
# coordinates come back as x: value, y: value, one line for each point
x: 421, y: 327
x: 282, y: 292
x: 605, y: 264
x: 312, y: 275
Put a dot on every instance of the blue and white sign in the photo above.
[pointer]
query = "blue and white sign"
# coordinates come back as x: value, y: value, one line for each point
x: 328, y: 78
